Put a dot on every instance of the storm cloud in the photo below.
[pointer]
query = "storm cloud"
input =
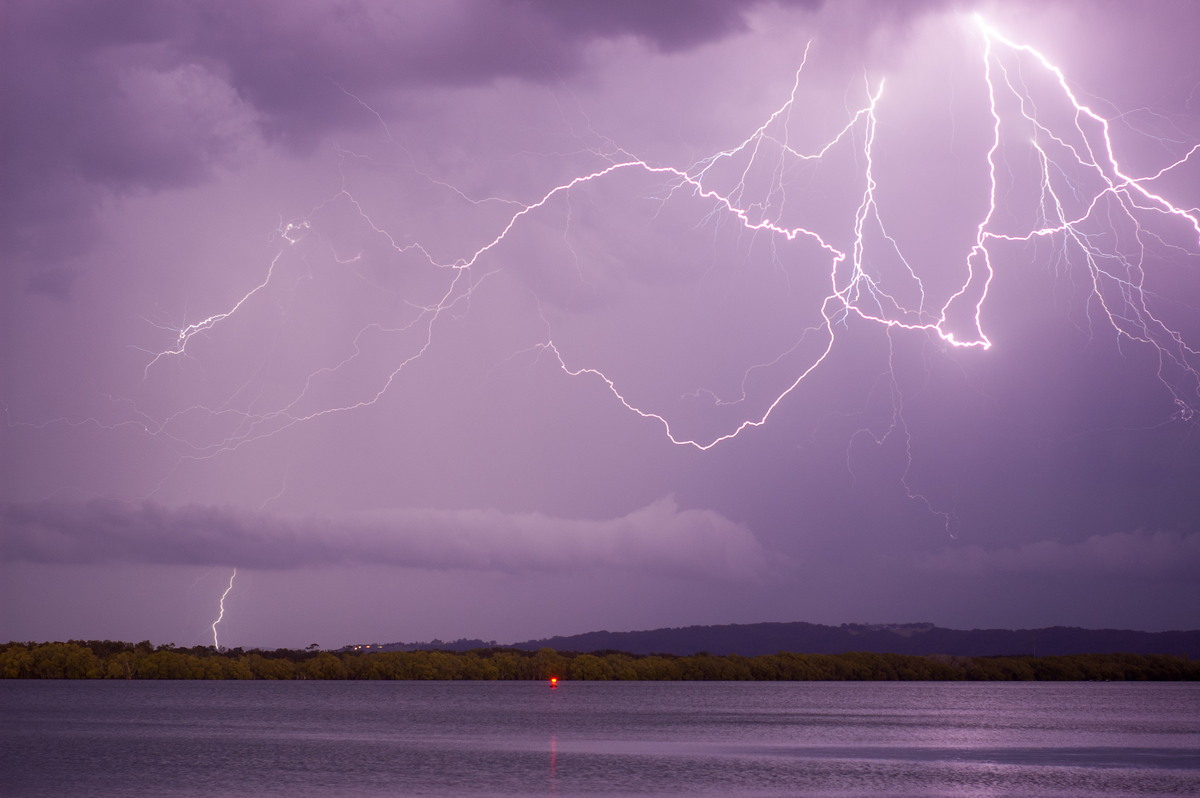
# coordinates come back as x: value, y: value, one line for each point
x: 146, y: 95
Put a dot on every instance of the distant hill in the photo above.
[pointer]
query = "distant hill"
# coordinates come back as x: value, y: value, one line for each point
x: 756, y: 639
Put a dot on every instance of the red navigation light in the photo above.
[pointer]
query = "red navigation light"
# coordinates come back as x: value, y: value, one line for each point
x: 553, y: 682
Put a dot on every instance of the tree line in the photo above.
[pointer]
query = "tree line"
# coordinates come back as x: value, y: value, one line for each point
x: 107, y: 659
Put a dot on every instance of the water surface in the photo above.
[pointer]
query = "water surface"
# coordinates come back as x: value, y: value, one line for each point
x: 144, y: 738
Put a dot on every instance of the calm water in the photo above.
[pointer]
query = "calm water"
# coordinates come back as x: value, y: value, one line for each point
x: 520, y: 738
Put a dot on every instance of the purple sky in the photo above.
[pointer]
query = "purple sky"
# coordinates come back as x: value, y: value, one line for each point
x: 306, y: 289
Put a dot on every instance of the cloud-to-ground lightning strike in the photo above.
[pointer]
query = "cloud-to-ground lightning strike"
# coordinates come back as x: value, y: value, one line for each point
x: 221, y: 610
x: 1083, y: 188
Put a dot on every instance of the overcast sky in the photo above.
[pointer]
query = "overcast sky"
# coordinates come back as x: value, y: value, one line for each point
x: 512, y: 319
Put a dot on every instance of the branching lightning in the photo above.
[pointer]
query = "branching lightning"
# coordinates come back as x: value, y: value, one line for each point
x: 1088, y: 203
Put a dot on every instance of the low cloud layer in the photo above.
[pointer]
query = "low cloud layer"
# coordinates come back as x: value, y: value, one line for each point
x: 1140, y: 553
x: 661, y: 537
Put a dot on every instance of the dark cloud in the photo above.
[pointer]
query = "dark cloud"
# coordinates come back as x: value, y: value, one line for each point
x: 668, y: 25
x: 661, y: 537
x: 99, y: 102
x: 149, y: 95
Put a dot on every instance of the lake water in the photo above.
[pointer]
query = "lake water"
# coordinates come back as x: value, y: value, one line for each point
x: 100, y: 738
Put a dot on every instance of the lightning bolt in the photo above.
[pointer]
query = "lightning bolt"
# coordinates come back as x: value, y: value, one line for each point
x: 221, y: 610
x: 1091, y: 206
